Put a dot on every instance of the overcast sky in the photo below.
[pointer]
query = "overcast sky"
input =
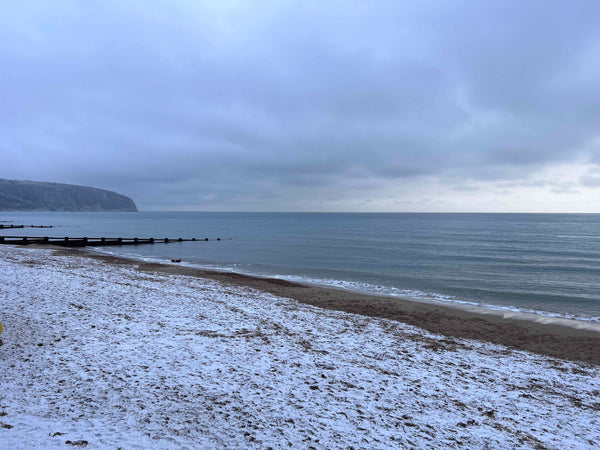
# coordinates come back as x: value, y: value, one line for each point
x: 307, y: 105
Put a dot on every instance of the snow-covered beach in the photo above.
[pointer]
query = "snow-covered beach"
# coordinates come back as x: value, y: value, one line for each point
x: 107, y: 356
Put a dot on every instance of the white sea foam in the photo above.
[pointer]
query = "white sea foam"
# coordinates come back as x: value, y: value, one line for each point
x: 433, y: 297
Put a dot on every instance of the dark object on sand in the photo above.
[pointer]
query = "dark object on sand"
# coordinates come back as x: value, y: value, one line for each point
x: 175, y: 260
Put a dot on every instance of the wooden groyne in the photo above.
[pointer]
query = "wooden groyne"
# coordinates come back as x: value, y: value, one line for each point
x: 87, y: 241
x: 4, y: 227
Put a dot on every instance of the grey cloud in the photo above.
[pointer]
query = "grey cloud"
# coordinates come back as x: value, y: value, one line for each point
x: 196, y: 100
x: 590, y: 181
x: 466, y: 188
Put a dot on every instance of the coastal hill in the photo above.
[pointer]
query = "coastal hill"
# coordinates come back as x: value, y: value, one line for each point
x: 18, y: 195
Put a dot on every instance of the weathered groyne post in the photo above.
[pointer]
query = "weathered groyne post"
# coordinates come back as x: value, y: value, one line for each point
x: 88, y: 241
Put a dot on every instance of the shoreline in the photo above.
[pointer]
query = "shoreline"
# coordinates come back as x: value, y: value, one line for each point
x: 561, y: 338
x: 483, y: 308
x: 506, y: 311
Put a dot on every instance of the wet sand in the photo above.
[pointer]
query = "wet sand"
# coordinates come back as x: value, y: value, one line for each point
x: 548, y: 339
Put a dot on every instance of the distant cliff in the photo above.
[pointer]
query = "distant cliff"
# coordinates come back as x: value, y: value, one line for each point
x: 35, y: 196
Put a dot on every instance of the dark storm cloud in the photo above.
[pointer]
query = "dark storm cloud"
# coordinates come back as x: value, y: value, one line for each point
x: 268, y: 104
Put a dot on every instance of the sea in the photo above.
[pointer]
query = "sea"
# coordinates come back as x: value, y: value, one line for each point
x: 548, y: 264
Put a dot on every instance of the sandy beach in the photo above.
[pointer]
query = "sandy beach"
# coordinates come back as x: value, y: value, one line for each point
x: 106, y: 352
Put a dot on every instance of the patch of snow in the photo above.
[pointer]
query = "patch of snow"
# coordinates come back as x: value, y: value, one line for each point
x: 113, y: 357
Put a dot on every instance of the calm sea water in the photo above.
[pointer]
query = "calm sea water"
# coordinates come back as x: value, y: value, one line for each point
x: 548, y: 263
